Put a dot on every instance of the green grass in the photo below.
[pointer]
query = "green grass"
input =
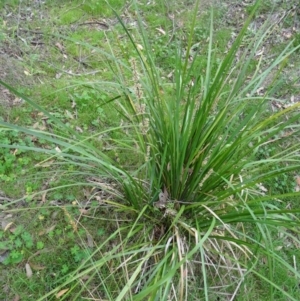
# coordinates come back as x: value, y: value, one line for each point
x: 166, y: 173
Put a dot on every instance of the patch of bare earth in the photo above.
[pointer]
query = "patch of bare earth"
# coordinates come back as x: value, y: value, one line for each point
x: 12, y: 73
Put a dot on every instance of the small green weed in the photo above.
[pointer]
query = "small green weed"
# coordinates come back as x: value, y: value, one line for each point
x: 14, y: 161
x: 19, y: 243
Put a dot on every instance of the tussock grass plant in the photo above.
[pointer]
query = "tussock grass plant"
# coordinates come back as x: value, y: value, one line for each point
x: 200, y: 219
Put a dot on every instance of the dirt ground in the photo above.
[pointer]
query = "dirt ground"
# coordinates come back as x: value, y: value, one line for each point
x: 17, y: 42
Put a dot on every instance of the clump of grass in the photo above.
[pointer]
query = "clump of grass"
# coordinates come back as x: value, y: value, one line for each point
x: 200, y: 218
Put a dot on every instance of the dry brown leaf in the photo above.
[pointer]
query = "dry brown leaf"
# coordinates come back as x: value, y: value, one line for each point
x: 287, y: 34
x: 46, y: 163
x: 44, y: 197
x: 83, y: 211
x: 37, y: 267
x: 90, y: 241
x: 60, y: 293
x: 7, y: 226
x: 260, y: 52
x: 36, y: 125
x: 163, y: 196
x: 170, y: 74
x: 261, y: 187
x: 28, y: 270
x: 79, y: 129
x: 161, y: 31
x: 293, y: 98
x: 59, y: 46
x: 297, y: 188
x: 69, y: 114
x: 260, y: 91
x: 13, y: 229
x: 6, y: 220
x: 16, y: 298
x: 139, y: 47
